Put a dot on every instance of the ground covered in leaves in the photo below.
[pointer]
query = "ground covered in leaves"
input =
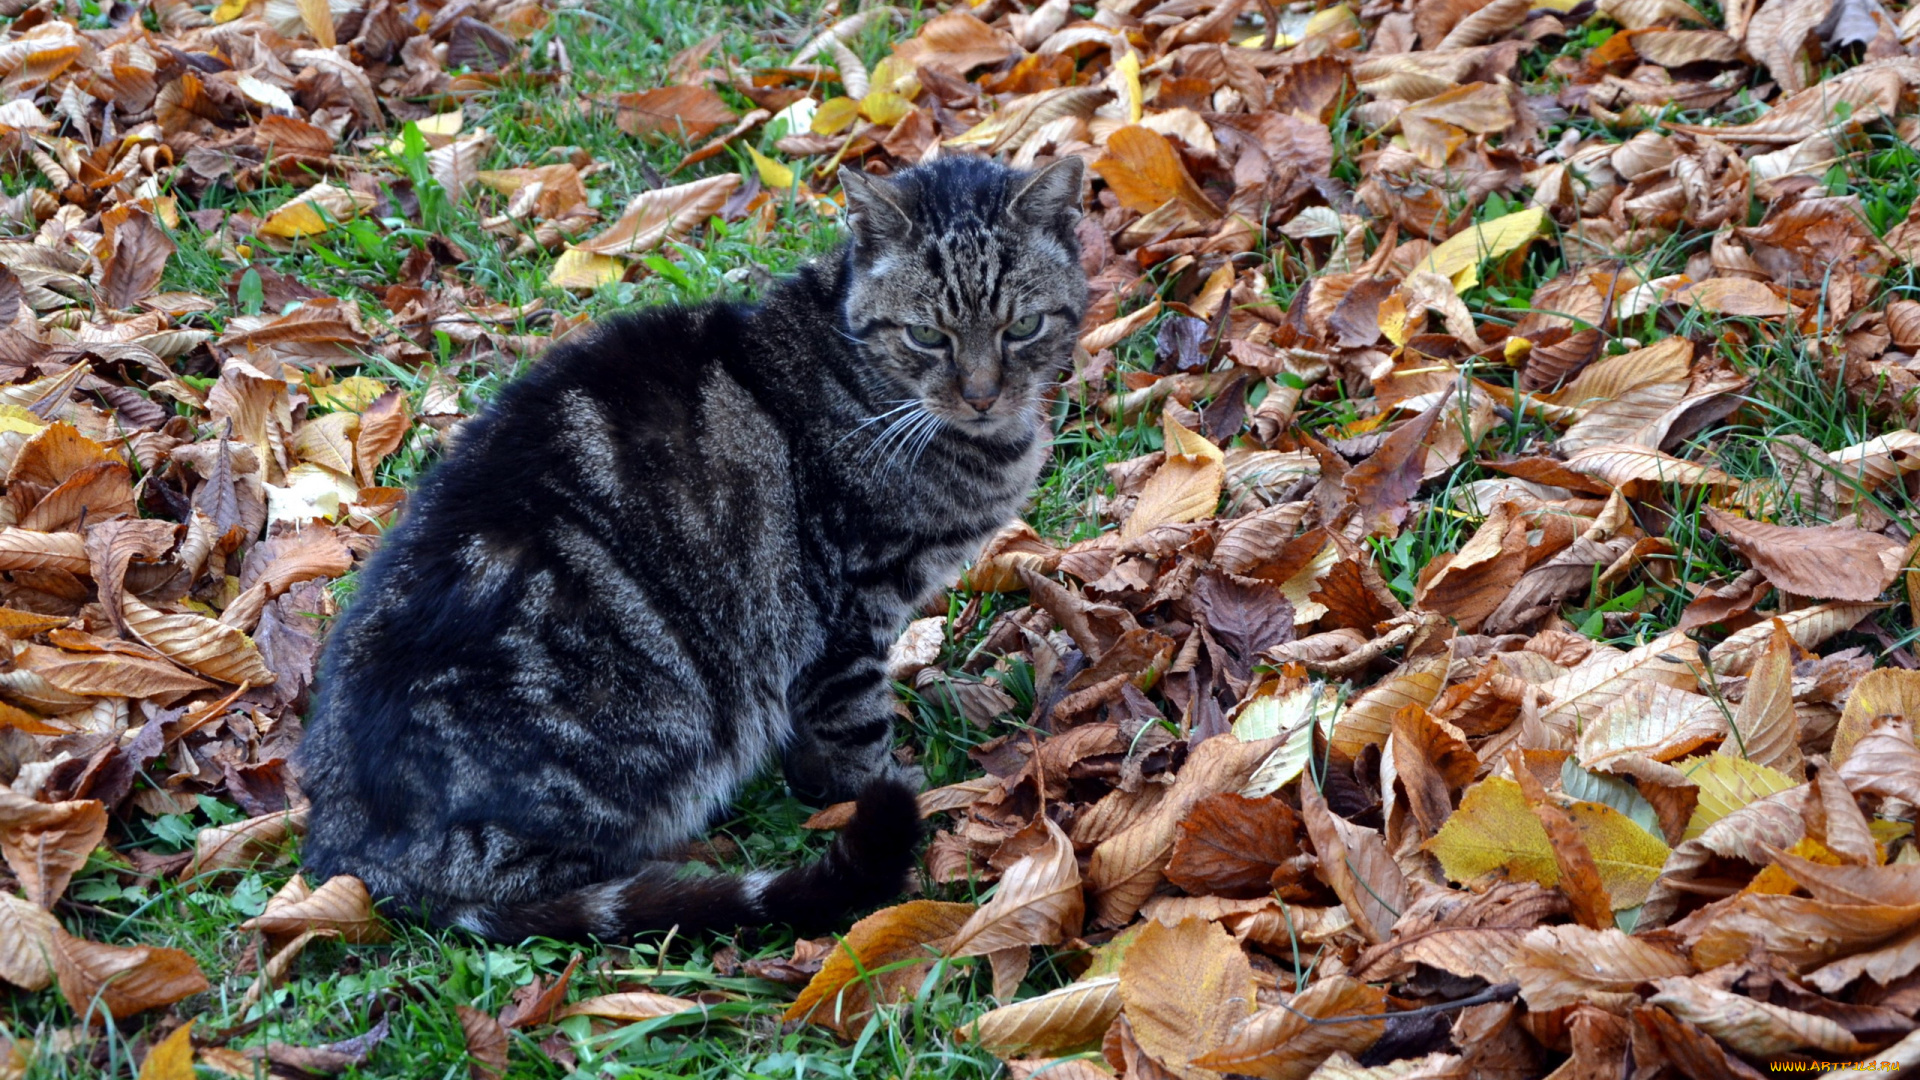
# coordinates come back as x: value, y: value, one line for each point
x: 1467, y: 629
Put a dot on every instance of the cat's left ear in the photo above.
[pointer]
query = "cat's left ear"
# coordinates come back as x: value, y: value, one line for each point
x: 874, y: 210
x: 1050, y: 196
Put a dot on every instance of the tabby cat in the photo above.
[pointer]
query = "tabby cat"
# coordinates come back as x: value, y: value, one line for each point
x: 683, y: 545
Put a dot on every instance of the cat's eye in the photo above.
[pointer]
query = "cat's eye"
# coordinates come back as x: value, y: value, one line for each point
x: 927, y: 337
x: 1024, y: 327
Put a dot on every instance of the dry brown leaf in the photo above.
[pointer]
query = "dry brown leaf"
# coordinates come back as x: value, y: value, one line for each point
x: 1766, y: 729
x: 668, y: 213
x: 1565, y: 965
x: 26, y: 943
x: 241, y: 844
x: 199, y: 643
x: 842, y: 998
x: 1038, y: 902
x: 1144, y: 172
x: 1128, y: 866
x: 45, y: 843
x: 1886, y: 692
x: 1282, y: 1043
x: 630, y: 1006
x: 1185, y: 488
x: 1829, y: 562
x: 694, y: 111
x: 1751, y: 1027
x: 340, y: 905
x: 383, y: 426
x: 123, y: 981
x: 1184, y: 988
x: 487, y: 1043
x: 1230, y: 845
x: 1355, y: 863
x: 1057, y: 1022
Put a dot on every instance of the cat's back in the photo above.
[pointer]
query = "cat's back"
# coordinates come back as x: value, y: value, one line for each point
x: 629, y: 459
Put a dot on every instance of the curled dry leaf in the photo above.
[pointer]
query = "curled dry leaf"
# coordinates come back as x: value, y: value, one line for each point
x: 1056, y: 1022
x: 841, y: 997
x: 1826, y: 563
x: 45, y: 843
x: 1355, y: 863
x: 663, y: 214
x: 243, y: 843
x: 107, y: 980
x: 198, y: 643
x: 1564, y: 965
x: 341, y: 905
x: 1038, y: 902
x: 26, y: 943
x: 1283, y: 1043
x: 630, y: 1006
x: 487, y: 1043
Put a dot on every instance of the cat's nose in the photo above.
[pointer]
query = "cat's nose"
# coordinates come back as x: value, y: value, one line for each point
x: 980, y: 393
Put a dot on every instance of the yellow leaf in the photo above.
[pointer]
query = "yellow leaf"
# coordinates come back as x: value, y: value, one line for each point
x: 1728, y: 783
x: 1460, y: 256
x: 172, y: 1057
x: 15, y: 418
x: 584, y: 270
x: 1495, y: 830
x: 353, y: 393
x: 775, y: 175
x: 1127, y: 71
x: 230, y: 10
x: 315, y: 210
x: 436, y: 129
x: 1392, y: 319
x: 1183, y: 988
x: 885, y: 107
x: 1881, y: 692
x: 318, y: 15
x: 1187, y: 486
x: 833, y: 115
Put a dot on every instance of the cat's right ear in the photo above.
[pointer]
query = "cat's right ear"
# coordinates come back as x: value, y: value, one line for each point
x: 874, y: 210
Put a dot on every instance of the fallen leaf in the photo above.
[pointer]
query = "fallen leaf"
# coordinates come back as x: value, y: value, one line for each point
x: 1826, y: 563
x: 1038, y: 902
x: 123, y: 981
x: 1184, y: 988
x: 46, y: 843
x: 486, y: 1042
x: 340, y: 905
x: 905, y: 938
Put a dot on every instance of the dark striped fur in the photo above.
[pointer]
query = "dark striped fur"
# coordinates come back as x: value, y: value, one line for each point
x: 679, y: 548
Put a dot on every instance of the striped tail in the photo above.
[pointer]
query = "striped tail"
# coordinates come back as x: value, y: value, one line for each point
x: 868, y: 863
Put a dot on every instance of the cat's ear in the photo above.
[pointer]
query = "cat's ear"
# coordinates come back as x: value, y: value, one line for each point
x: 874, y: 210
x: 1051, y: 195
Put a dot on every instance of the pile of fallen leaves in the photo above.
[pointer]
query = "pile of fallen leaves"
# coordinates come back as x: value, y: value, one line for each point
x: 1279, y: 815
x: 1283, y: 817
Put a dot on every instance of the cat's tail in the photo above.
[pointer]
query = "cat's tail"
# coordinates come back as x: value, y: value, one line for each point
x: 868, y: 863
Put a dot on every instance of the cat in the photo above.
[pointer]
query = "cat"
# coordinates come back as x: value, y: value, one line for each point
x: 681, y: 546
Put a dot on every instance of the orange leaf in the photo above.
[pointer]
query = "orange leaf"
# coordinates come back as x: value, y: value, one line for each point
x: 124, y: 980
x: 1144, y: 172
x: 44, y: 843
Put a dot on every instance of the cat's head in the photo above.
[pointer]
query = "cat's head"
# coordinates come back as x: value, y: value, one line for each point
x: 965, y: 285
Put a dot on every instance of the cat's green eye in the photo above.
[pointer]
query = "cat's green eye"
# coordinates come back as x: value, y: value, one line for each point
x: 926, y: 336
x: 1024, y: 327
